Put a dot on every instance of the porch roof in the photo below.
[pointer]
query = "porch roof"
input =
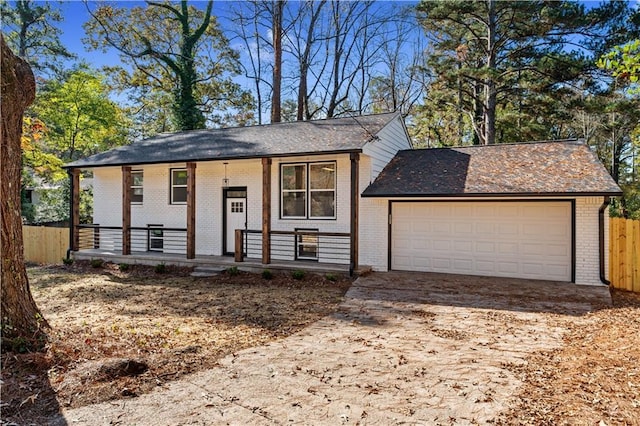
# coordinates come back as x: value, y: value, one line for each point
x: 335, y: 135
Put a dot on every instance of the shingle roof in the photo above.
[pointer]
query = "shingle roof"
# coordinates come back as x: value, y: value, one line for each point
x: 542, y: 168
x: 292, y: 138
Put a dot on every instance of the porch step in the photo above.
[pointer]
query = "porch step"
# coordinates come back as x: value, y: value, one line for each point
x: 206, y: 271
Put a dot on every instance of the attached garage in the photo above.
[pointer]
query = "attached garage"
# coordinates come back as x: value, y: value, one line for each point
x: 526, y: 239
x: 530, y: 210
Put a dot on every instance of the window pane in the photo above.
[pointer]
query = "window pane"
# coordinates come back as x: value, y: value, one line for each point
x: 293, y: 204
x: 179, y: 195
x: 136, y: 195
x: 322, y: 176
x: 136, y: 179
x: 179, y: 177
x: 323, y: 204
x: 294, y: 177
x: 308, y: 246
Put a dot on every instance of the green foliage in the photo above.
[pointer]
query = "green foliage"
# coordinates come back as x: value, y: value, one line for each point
x: 523, y: 79
x: 124, y: 267
x: 176, y: 50
x: 30, y: 30
x: 67, y: 261
x: 232, y: 271
x: 331, y: 277
x: 96, y: 263
x: 80, y: 118
x: 160, y: 268
x: 298, y: 274
x: 624, y: 63
x: 267, y: 274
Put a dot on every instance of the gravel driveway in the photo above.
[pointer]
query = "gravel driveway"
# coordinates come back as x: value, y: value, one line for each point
x: 411, y: 348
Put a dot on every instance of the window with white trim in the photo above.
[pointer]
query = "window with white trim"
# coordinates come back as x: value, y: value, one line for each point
x: 178, y: 186
x: 308, y: 190
x: 307, y: 244
x: 137, y: 179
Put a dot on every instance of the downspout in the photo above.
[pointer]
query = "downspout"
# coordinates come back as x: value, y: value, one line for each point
x: 603, y: 208
x: 70, y: 173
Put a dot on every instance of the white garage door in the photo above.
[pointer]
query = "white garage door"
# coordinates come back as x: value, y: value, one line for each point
x: 503, y: 239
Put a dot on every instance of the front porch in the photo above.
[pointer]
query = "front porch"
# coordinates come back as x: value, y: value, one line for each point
x: 222, y: 262
x: 154, y: 245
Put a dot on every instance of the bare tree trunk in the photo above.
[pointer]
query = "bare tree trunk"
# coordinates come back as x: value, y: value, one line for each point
x: 22, y: 323
x: 490, y: 83
x: 276, y: 102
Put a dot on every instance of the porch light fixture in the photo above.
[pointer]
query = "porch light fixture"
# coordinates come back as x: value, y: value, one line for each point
x: 225, y: 180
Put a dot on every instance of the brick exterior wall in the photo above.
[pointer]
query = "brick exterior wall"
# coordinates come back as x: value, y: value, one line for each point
x: 374, y: 237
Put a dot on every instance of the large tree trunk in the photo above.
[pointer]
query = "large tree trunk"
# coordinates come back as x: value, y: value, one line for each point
x: 22, y: 323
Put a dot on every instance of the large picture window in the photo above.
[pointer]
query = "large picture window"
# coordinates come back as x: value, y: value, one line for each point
x: 136, y: 187
x: 308, y: 190
x: 178, y: 186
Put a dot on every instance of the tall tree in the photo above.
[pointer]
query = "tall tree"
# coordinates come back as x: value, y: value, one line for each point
x: 31, y: 32
x: 22, y: 324
x: 494, y: 52
x: 172, y: 47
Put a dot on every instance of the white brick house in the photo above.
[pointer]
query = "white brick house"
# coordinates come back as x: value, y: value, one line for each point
x: 351, y: 191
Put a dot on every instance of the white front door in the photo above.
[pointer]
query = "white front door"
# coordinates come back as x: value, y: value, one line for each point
x: 236, y: 219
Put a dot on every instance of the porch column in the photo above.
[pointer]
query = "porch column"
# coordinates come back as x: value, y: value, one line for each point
x: 74, y: 210
x: 191, y: 210
x: 355, y: 198
x: 266, y: 210
x: 126, y: 210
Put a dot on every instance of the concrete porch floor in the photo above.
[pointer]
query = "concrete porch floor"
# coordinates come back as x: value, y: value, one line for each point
x: 249, y: 264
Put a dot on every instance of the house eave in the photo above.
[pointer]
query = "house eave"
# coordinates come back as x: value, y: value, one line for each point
x: 208, y: 159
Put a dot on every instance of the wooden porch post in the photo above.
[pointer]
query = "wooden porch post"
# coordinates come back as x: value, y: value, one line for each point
x: 74, y: 220
x: 355, y: 197
x: 266, y: 210
x: 191, y: 210
x: 126, y: 210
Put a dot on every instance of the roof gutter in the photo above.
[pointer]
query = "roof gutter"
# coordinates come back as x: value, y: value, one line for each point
x: 601, y: 242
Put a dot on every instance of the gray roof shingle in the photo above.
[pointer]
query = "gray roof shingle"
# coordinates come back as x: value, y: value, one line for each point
x: 291, y: 138
x: 542, y: 168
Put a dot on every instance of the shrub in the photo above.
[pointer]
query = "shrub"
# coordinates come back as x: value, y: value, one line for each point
x: 161, y: 268
x: 67, y: 260
x: 331, y: 277
x: 124, y: 267
x: 298, y: 274
x: 267, y: 274
x: 233, y: 271
x: 97, y: 263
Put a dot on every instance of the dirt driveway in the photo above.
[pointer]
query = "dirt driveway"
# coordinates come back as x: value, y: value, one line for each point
x: 403, y: 348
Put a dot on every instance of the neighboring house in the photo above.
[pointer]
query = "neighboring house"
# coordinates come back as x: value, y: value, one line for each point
x: 43, y: 200
x: 351, y: 191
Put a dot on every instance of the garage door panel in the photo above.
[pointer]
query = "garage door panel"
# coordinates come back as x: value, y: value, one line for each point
x: 513, y: 239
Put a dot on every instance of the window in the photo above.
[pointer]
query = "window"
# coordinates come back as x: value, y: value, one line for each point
x: 237, y: 207
x: 308, y: 190
x: 307, y: 245
x: 178, y: 186
x: 136, y: 187
x: 28, y: 196
x: 155, y: 238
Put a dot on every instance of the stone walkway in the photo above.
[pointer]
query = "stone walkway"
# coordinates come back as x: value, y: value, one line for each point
x: 403, y: 348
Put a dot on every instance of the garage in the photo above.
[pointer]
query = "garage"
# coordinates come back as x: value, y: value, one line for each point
x: 525, y: 239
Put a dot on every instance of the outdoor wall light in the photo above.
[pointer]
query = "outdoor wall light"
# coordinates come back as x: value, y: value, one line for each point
x: 225, y: 180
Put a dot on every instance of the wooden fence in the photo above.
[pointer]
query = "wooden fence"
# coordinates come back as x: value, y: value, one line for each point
x: 624, y: 254
x: 44, y: 244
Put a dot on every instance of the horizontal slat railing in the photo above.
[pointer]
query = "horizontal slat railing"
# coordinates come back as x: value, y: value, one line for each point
x: 330, y: 247
x: 143, y: 239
